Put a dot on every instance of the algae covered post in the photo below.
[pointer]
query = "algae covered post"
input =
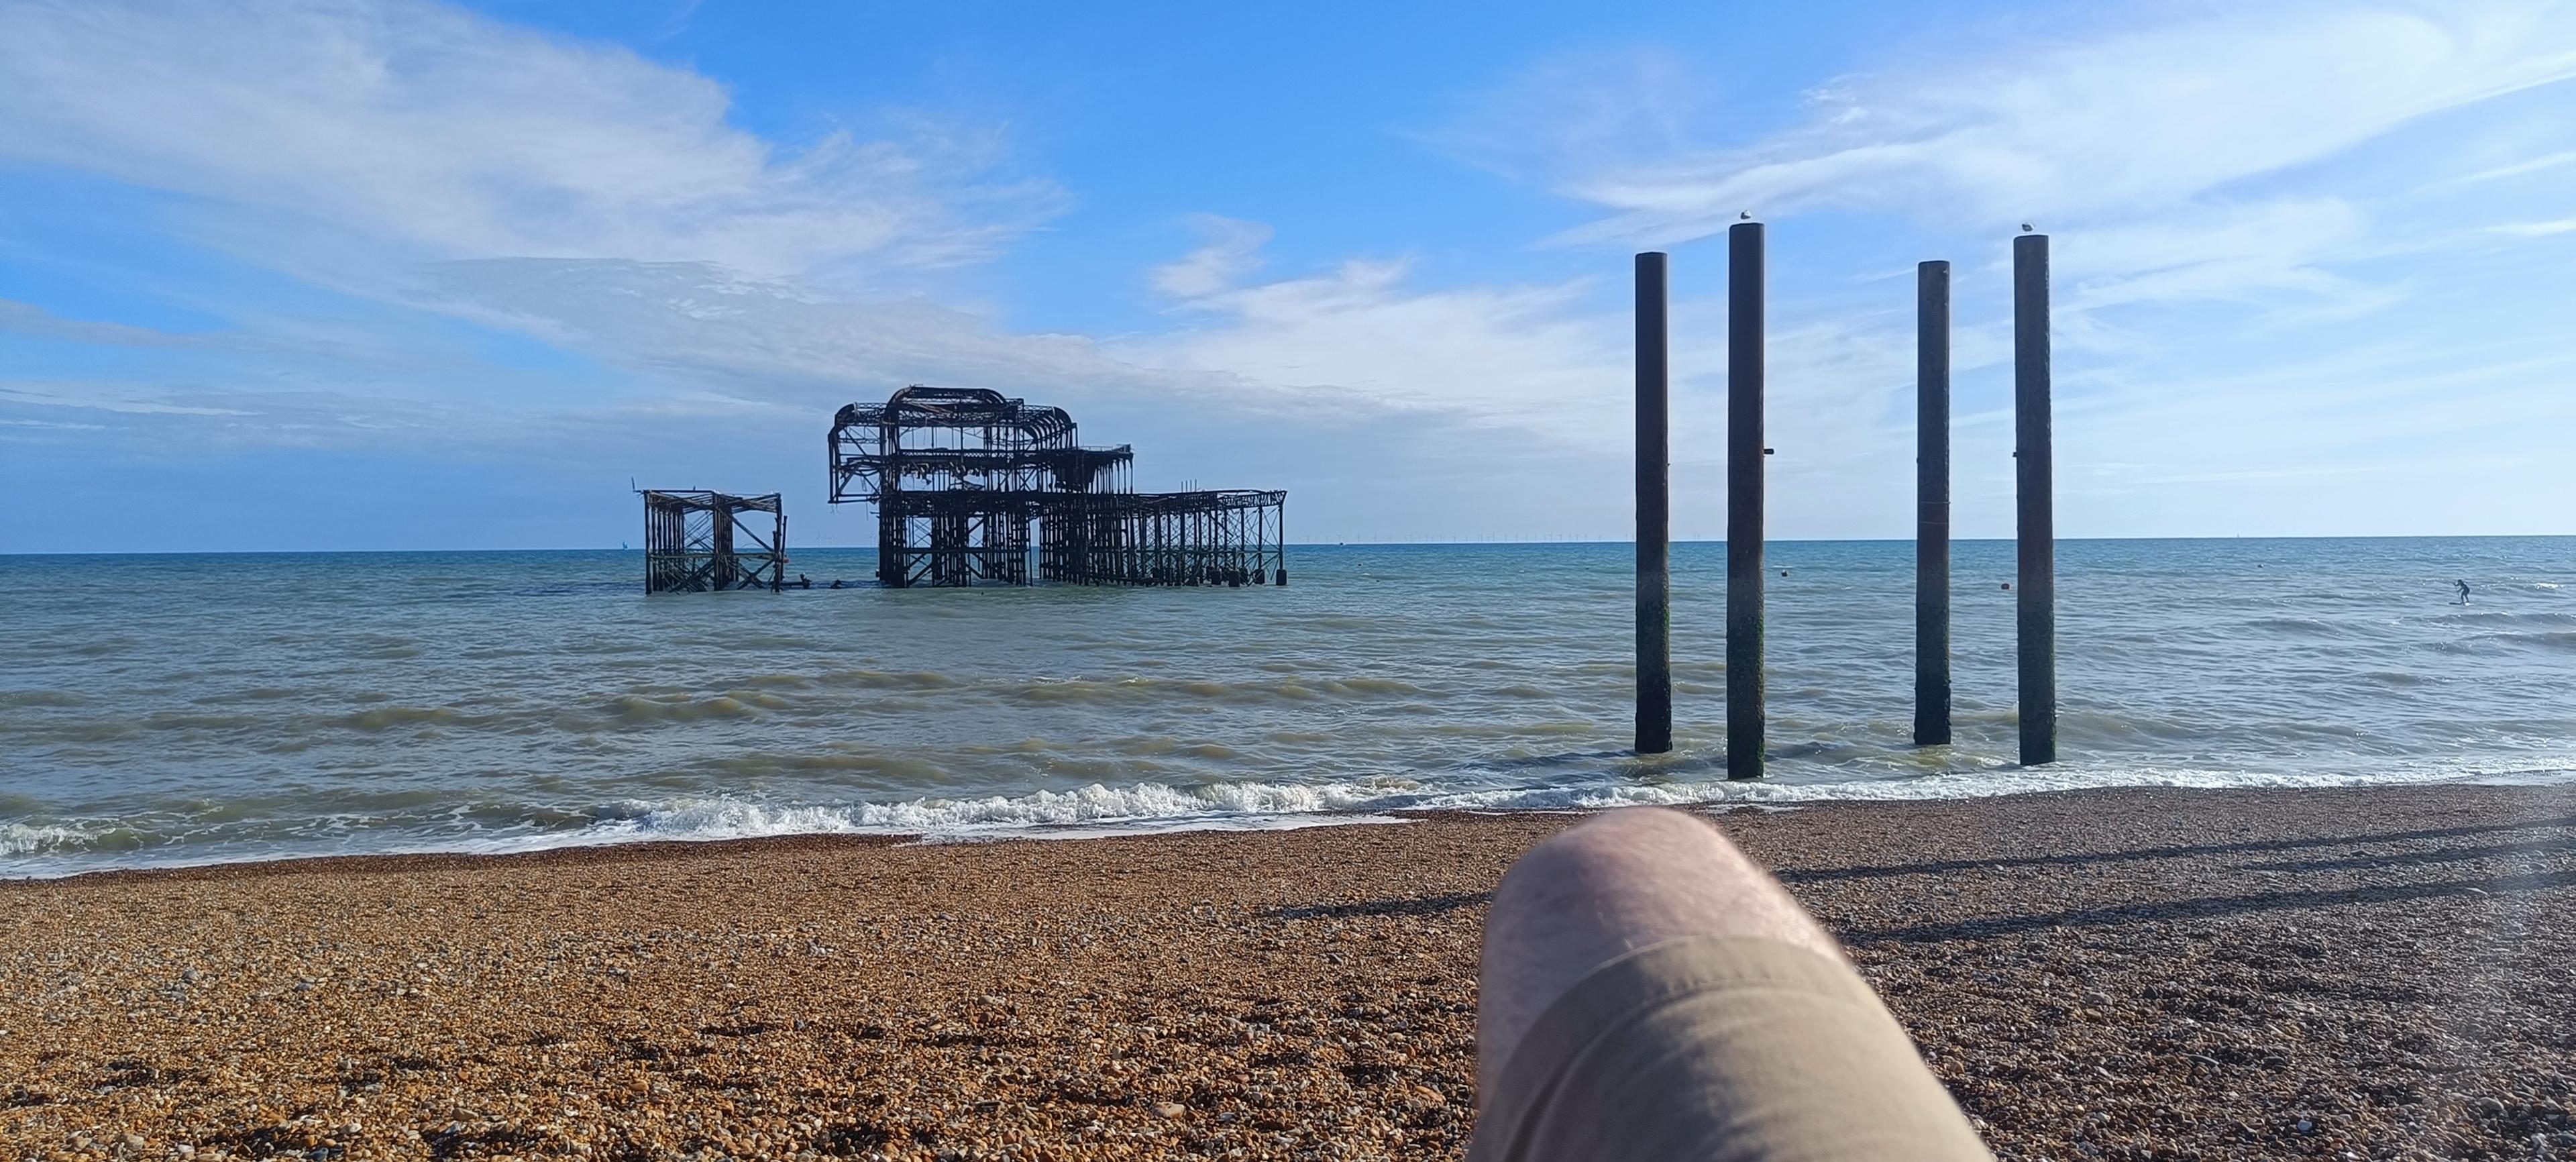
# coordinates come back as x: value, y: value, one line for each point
x: 2034, y: 480
x: 1744, y: 452
x: 1932, y: 503
x: 1654, y: 512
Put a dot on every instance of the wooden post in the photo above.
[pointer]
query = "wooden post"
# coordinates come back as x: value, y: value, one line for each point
x: 1744, y: 452
x: 1654, y: 505
x: 1931, y: 503
x: 2034, y: 483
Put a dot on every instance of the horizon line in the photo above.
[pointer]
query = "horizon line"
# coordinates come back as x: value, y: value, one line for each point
x: 4, y: 553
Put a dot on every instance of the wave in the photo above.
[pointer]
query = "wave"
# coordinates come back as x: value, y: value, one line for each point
x: 730, y: 818
x: 16, y: 699
x: 65, y: 848
x: 1140, y: 689
x: 27, y: 839
x: 2556, y: 639
x: 2301, y: 626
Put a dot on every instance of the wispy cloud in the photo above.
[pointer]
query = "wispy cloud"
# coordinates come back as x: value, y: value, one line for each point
x: 2226, y: 235
x: 2519, y: 168
x: 449, y: 135
x: 2140, y: 119
x: 1233, y: 250
x: 2241, y: 197
x: 105, y: 399
x: 1581, y: 113
x: 2536, y: 229
x: 1534, y: 354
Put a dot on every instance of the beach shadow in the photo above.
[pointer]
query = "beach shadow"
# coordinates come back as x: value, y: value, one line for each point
x: 2208, y: 908
x: 2078, y: 859
x: 1421, y: 906
x: 2418, y: 858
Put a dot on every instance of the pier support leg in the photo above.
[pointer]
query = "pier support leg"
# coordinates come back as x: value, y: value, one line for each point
x: 1654, y: 503
x: 1931, y: 503
x: 2034, y: 484
x: 1744, y: 452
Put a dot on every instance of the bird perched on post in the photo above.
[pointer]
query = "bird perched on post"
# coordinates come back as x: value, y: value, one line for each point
x: 1746, y: 215
x: 2027, y: 227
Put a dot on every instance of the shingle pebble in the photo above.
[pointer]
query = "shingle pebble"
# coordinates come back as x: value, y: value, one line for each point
x: 2130, y: 975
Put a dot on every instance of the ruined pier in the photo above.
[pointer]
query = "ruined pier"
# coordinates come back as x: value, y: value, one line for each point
x: 972, y: 487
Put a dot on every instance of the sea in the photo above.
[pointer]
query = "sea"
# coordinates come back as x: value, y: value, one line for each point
x: 189, y: 709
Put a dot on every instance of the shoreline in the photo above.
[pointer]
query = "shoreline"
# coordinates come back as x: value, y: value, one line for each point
x: 2117, y: 973
x: 1770, y: 799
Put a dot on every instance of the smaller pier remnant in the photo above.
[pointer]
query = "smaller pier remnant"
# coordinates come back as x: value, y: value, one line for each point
x: 697, y: 541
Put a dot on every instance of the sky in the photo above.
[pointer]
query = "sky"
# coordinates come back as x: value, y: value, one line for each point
x: 390, y: 274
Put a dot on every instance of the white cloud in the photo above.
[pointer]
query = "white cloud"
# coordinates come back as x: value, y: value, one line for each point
x: 740, y: 289
x: 772, y: 340
x: 2135, y: 120
x: 2517, y: 169
x: 104, y: 398
x: 1233, y: 250
x: 1531, y: 354
x: 454, y: 136
x: 1584, y: 112
x: 2536, y: 229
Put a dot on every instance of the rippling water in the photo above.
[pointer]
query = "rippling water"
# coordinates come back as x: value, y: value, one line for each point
x: 170, y: 709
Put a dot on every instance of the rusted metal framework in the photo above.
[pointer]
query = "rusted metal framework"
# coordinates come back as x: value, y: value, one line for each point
x: 697, y: 541
x: 969, y: 485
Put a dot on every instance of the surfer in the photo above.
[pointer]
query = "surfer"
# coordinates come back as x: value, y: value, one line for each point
x: 2464, y: 591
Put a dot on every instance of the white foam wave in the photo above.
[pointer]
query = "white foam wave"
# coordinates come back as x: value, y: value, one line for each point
x: 23, y: 839
x: 1980, y: 784
x: 1142, y: 803
x: 1099, y: 809
x: 51, y: 850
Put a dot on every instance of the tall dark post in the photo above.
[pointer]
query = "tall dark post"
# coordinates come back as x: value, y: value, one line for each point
x: 1744, y: 452
x: 1654, y: 518
x: 1931, y: 503
x: 2034, y: 481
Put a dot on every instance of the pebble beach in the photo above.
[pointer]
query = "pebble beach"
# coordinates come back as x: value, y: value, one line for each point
x: 2129, y: 974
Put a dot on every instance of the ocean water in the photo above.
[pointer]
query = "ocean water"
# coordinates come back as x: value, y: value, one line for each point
x: 199, y: 708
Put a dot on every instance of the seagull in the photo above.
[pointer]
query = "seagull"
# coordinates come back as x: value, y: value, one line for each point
x: 2027, y: 227
x: 1746, y: 215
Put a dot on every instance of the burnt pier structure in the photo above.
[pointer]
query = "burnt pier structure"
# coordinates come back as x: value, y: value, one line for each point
x: 972, y: 487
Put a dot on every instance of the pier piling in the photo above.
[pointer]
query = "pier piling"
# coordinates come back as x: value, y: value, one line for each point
x: 2034, y: 484
x: 1654, y: 511
x: 1744, y: 453
x: 1931, y: 503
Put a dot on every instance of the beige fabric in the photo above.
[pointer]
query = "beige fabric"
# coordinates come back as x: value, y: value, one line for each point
x: 1744, y: 1050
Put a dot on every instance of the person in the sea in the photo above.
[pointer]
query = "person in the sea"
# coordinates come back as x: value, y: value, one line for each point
x: 2464, y: 590
x: 1648, y: 993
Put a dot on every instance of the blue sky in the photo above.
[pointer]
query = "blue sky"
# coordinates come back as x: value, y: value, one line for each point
x: 365, y: 274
